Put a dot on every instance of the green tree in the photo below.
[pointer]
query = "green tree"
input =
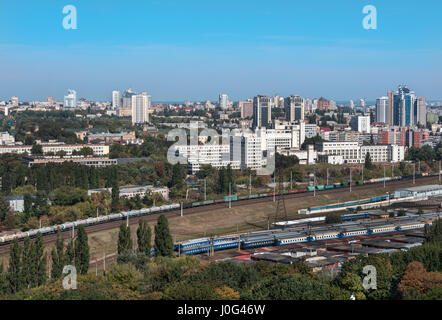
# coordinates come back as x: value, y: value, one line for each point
x: 27, y: 264
x: 177, y: 180
x: 14, y: 276
x: 368, y: 164
x: 58, y: 258
x: 70, y: 252
x: 4, y: 208
x: 37, y: 149
x: 81, y: 251
x: 434, y: 233
x: 115, y: 194
x: 39, y: 261
x: 144, y: 235
x: 124, y: 243
x: 163, y: 240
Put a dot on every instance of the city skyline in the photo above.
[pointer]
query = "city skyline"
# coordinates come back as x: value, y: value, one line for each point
x: 194, y: 51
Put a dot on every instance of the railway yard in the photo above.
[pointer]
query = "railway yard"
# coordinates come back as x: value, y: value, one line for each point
x: 244, y: 217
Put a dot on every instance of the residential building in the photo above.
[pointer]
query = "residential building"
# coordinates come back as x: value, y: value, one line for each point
x: 246, y: 108
x: 382, y: 110
x: 70, y: 100
x: 223, y: 101
x: 360, y: 124
x: 116, y: 100
x: 140, y: 108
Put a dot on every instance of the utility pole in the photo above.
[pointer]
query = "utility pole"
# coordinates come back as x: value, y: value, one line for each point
x: 230, y: 195
x: 439, y: 171
x: 327, y: 175
x: 181, y: 209
x: 205, y: 190
x: 250, y: 184
x: 274, y: 189
x: 350, y: 179
x: 314, y: 183
x: 363, y: 173
x: 97, y: 212
x: 414, y: 172
x: 291, y: 179
x: 384, y: 177
x: 104, y: 262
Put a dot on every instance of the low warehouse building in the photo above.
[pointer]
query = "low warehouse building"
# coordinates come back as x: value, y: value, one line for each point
x: 419, y: 192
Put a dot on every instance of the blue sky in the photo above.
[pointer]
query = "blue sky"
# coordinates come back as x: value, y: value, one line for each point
x: 193, y: 50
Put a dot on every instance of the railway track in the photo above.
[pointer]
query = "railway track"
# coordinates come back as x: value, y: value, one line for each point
x: 51, y: 238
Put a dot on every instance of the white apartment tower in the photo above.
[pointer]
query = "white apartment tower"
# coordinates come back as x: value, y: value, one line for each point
x: 140, y: 108
x: 115, y: 99
x: 382, y: 109
x: 223, y: 101
x: 70, y: 100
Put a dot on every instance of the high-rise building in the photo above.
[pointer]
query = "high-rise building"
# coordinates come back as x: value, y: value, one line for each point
x: 223, y: 101
x: 360, y: 124
x: 115, y: 99
x: 246, y: 108
x: 323, y: 104
x: 403, y: 107
x: 361, y: 103
x: 127, y: 99
x: 420, y: 111
x: 352, y: 104
x: 294, y: 108
x: 262, y: 111
x: 14, y: 101
x: 390, y: 108
x: 382, y: 110
x: 140, y: 108
x: 70, y: 100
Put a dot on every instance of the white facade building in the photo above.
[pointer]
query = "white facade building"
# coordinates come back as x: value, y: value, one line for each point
x: 116, y: 99
x: 140, y: 108
x: 223, y: 101
x: 360, y: 124
x: 70, y: 100
x: 6, y: 139
x: 352, y: 152
x: 382, y: 109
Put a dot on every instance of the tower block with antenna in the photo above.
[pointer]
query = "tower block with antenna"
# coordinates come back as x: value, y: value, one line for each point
x: 281, y: 211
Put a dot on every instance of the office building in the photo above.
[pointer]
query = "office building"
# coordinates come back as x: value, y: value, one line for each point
x: 294, y: 108
x: 420, y: 111
x: 262, y: 111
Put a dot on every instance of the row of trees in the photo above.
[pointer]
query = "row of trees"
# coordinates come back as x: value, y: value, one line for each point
x: 163, y: 243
